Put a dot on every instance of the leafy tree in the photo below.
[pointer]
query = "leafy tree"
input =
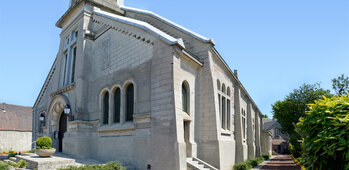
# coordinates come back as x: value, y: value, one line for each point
x: 294, y: 106
x: 341, y: 85
x: 265, y: 116
x: 325, y: 133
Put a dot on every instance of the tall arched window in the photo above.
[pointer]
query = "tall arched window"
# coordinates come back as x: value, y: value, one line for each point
x: 105, y: 108
x: 184, y: 98
x: 129, y: 102
x: 218, y: 85
x: 243, y: 119
x: 117, y: 101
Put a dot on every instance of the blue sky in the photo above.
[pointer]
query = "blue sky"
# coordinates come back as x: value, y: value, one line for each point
x: 276, y: 45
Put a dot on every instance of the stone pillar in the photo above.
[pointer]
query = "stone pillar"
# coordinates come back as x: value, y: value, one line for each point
x: 239, y: 153
x: 258, y: 119
x: 250, y: 132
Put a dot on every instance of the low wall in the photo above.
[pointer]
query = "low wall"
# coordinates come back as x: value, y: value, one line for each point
x: 15, y: 140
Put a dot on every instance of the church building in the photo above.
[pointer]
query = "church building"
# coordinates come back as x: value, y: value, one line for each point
x: 129, y: 85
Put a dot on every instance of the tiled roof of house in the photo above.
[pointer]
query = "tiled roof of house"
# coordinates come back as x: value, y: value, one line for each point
x: 14, y: 117
x: 268, y: 123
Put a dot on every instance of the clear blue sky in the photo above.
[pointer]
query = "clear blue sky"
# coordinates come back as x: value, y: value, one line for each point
x: 276, y: 45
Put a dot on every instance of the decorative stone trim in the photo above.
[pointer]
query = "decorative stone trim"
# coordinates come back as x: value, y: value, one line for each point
x: 127, y: 129
x: 186, y: 116
x: 65, y: 89
x: 106, y: 27
x: 142, y: 121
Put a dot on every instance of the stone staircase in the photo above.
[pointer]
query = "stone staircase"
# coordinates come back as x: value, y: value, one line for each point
x: 197, y: 164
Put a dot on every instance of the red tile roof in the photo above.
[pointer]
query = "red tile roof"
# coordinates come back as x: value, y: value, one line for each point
x: 14, y: 117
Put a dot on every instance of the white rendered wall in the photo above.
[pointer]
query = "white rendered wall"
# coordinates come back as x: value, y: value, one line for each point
x: 15, y: 140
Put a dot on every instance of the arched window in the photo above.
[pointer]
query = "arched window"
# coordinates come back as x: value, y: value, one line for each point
x: 129, y: 102
x: 105, y: 108
x: 243, y: 119
x: 223, y: 88
x: 218, y: 85
x: 228, y: 91
x: 117, y: 101
x: 184, y: 98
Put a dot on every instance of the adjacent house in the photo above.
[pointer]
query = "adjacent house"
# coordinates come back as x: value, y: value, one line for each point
x: 280, y: 143
x: 15, y: 128
x: 130, y: 85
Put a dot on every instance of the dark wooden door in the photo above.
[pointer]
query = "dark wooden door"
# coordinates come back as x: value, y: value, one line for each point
x: 62, y: 130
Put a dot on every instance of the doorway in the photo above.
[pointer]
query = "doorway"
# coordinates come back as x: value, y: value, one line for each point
x: 62, y: 130
x: 186, y: 125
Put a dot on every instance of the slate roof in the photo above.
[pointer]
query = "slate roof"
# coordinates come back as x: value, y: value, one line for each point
x: 15, y: 118
x: 268, y: 123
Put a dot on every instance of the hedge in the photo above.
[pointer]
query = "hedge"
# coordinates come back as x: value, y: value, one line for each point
x: 325, y: 134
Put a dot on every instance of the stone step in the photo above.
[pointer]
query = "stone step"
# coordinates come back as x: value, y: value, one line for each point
x: 53, y: 162
x: 14, y: 159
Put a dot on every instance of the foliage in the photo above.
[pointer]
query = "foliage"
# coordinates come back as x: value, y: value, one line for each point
x: 265, y: 116
x: 341, y: 85
x: 11, y: 153
x: 250, y: 163
x: 4, y: 165
x: 325, y: 133
x: 266, y: 157
x: 242, y: 166
x: 20, y: 164
x: 108, y: 166
x: 44, y: 142
x: 288, y: 111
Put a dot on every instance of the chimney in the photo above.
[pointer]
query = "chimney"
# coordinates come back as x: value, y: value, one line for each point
x: 236, y: 74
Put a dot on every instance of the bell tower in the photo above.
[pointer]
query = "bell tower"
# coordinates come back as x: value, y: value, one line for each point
x: 120, y: 3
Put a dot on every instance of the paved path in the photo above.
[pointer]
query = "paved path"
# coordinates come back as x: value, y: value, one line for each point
x: 281, y: 162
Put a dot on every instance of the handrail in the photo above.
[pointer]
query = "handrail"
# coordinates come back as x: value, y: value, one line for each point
x: 205, y: 164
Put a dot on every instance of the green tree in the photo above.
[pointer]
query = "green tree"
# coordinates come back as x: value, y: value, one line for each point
x: 341, y: 85
x: 325, y: 134
x: 294, y: 106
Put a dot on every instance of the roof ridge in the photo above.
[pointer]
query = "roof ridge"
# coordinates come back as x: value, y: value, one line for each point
x: 143, y: 25
x: 169, y: 22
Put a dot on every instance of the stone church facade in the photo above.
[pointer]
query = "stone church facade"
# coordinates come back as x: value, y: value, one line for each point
x: 143, y: 90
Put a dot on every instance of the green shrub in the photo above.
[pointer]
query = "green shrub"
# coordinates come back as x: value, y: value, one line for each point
x: 4, y: 166
x: 260, y: 159
x: 44, y: 142
x: 108, y: 166
x: 21, y: 164
x: 242, y: 166
x: 266, y: 157
x: 325, y: 134
x: 253, y: 162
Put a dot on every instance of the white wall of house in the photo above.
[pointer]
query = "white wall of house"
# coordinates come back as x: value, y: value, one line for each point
x: 15, y: 140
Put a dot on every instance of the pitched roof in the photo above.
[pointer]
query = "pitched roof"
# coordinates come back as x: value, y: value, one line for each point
x: 14, y: 117
x: 268, y: 123
x: 142, y: 25
x: 168, y: 22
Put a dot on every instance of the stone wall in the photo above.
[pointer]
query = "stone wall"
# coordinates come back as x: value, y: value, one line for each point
x: 15, y: 140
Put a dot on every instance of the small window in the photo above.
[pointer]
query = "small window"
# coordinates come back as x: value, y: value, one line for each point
x: 223, y: 88
x: 117, y: 102
x: 105, y: 108
x: 276, y: 133
x: 184, y: 98
x: 129, y: 102
x: 76, y: 34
